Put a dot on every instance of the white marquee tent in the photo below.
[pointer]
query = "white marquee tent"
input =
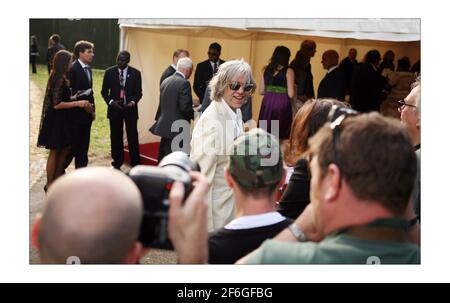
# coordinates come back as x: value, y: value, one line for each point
x: 152, y: 42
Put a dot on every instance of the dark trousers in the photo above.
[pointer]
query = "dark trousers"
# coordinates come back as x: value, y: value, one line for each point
x: 80, y: 137
x: 164, y: 148
x: 116, y: 135
x: 33, y: 63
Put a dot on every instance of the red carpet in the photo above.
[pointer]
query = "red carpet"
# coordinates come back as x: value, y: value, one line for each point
x: 148, y: 153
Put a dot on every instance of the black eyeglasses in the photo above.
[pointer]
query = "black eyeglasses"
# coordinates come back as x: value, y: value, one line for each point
x: 336, y: 116
x: 402, y: 103
x: 236, y: 86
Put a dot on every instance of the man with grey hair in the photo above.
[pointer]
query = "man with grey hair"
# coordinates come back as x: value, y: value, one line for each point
x: 175, y: 101
x: 92, y: 216
x: 170, y: 70
x: 216, y: 130
x: 410, y: 116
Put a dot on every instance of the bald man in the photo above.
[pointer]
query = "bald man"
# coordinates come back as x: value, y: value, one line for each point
x: 334, y: 84
x: 93, y: 214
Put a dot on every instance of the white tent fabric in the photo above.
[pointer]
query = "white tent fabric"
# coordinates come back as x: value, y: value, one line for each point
x: 370, y: 29
x: 151, y: 43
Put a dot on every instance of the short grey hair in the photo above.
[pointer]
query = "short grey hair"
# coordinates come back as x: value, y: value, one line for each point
x: 185, y: 62
x: 225, y: 74
x: 414, y: 85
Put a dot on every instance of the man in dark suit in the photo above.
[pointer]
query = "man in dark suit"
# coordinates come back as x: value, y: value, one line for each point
x: 348, y: 65
x: 122, y: 90
x: 55, y: 47
x: 334, y: 83
x: 80, y: 120
x: 169, y: 71
x: 367, y: 84
x: 175, y: 100
x: 206, y: 69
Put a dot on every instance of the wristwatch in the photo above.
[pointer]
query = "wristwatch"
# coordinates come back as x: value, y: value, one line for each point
x: 298, y: 233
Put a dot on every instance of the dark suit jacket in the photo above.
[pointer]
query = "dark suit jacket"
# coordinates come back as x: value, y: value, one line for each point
x: 169, y: 71
x: 366, y: 88
x: 348, y: 67
x: 79, y: 81
x: 111, y: 90
x: 203, y: 73
x: 166, y: 74
x: 175, y: 100
x: 333, y: 85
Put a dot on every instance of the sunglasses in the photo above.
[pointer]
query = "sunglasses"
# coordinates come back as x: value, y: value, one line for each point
x: 236, y: 86
x: 336, y: 116
x: 402, y: 103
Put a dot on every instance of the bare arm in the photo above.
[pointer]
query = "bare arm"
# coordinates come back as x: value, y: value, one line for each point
x: 262, y: 87
x: 66, y: 105
x: 290, y: 77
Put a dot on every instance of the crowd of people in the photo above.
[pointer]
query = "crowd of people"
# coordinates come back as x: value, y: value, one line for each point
x: 319, y: 180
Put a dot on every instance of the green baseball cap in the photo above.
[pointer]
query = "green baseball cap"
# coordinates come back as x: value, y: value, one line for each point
x: 255, y: 159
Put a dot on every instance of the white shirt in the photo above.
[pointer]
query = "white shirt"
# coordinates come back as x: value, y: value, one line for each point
x: 125, y: 73
x: 234, y: 118
x: 212, y: 64
x: 332, y: 69
x: 254, y: 221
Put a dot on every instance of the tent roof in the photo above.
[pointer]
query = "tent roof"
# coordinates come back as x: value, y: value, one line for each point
x: 365, y: 29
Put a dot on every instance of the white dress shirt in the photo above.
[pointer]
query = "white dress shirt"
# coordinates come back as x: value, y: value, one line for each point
x: 234, y: 117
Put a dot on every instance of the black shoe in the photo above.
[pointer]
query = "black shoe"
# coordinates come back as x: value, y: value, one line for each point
x: 45, y: 188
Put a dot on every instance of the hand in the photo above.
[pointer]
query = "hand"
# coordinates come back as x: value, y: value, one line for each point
x: 89, y: 109
x: 117, y: 105
x: 188, y: 223
x: 131, y: 104
x: 306, y: 222
x: 83, y: 103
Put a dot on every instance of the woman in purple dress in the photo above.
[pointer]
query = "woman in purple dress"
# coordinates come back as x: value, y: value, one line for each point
x: 277, y: 86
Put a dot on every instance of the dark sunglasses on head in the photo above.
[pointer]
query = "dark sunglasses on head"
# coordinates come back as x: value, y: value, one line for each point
x: 402, y: 103
x: 236, y: 86
x: 336, y: 116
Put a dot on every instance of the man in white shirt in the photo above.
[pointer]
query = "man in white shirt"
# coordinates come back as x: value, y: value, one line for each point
x: 254, y: 184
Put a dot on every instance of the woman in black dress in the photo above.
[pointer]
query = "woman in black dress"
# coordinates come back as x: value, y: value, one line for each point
x: 54, y: 128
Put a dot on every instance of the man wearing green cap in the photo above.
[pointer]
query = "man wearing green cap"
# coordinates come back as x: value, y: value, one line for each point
x: 363, y: 170
x: 254, y: 172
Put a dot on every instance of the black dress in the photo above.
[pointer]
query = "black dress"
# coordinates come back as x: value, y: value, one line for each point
x: 296, y: 195
x: 54, y: 128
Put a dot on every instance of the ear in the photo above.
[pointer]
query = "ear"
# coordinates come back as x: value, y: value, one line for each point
x: 229, y: 178
x: 332, y: 183
x: 134, y: 254
x: 35, y: 231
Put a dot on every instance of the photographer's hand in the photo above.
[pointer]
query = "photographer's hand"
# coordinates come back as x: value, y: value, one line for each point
x: 188, y: 222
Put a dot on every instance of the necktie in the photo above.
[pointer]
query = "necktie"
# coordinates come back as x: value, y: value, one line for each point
x: 88, y: 74
x: 121, y: 78
x: 215, y: 68
x: 122, y: 86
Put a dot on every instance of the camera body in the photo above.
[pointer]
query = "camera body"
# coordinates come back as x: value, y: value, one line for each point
x: 154, y: 184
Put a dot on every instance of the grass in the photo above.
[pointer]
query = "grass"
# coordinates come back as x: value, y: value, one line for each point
x: 100, y: 144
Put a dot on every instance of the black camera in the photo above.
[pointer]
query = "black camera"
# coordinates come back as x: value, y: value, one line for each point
x: 155, y: 183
